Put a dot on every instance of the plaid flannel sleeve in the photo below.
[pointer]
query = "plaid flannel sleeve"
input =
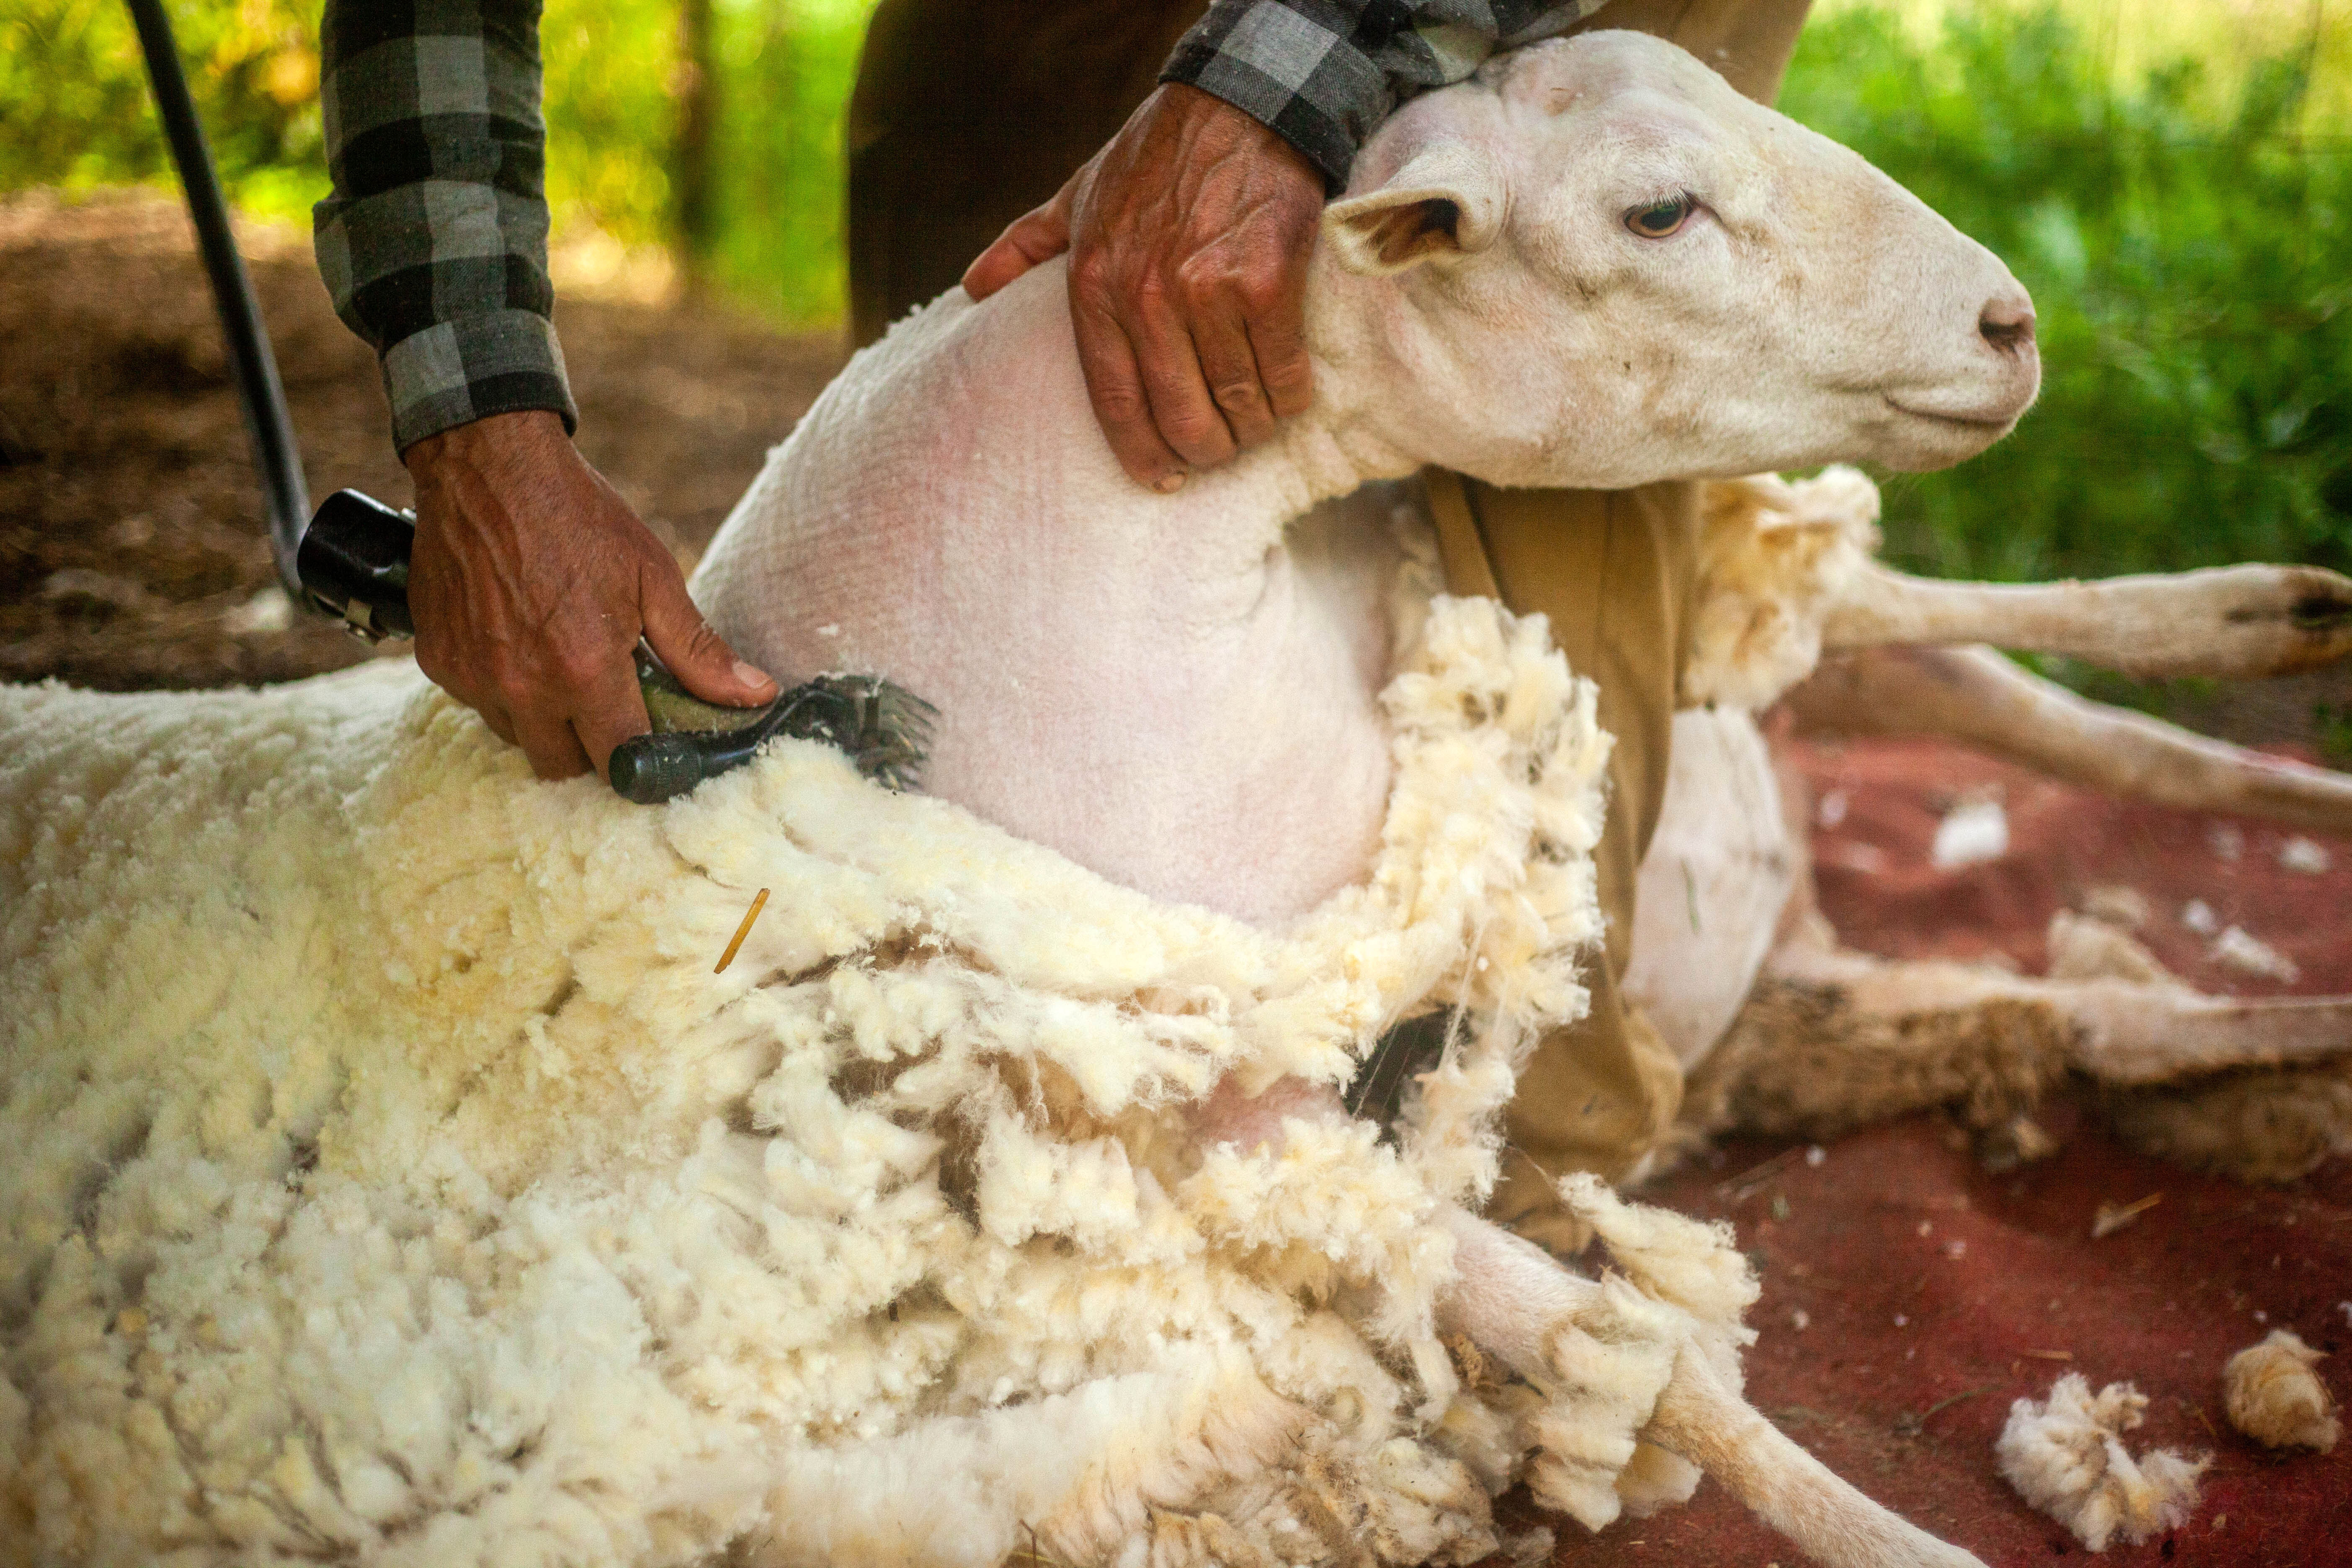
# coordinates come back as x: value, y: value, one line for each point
x: 434, y: 242
x: 1322, y: 73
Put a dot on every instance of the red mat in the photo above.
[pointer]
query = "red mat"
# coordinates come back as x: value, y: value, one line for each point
x: 1933, y: 1294
x: 1879, y: 889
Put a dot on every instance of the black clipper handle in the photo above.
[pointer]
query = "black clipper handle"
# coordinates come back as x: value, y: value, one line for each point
x: 650, y: 769
x: 353, y: 563
x: 884, y: 730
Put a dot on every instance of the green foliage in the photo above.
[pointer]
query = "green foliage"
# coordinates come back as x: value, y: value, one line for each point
x: 784, y: 77
x: 2188, y: 245
x: 74, y: 109
x: 2332, y: 724
x: 609, y: 65
x: 785, y: 73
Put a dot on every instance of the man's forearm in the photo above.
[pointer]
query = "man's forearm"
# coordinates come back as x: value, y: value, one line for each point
x: 433, y: 243
x: 1322, y: 73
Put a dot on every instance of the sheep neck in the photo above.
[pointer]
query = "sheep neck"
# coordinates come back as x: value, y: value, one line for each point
x: 1332, y: 448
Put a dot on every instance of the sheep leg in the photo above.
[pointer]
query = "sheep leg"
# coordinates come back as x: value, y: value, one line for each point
x: 2119, y: 1030
x: 1509, y: 1296
x: 1975, y: 696
x: 1828, y: 1518
x: 1796, y: 1494
x: 1514, y: 1300
x: 2226, y: 620
x: 2140, y: 1034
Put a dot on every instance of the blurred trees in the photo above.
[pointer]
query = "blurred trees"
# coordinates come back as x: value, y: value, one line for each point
x: 735, y: 164
x: 75, y: 110
x: 693, y: 150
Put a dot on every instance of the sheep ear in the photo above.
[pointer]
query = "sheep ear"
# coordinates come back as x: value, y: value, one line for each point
x: 1446, y: 202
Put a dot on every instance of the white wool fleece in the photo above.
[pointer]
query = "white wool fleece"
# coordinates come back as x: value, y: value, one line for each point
x: 391, y: 1176
x: 1775, y: 558
x: 2066, y: 1456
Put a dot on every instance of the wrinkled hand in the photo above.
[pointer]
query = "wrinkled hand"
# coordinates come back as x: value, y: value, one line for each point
x: 531, y: 582
x: 1189, y: 238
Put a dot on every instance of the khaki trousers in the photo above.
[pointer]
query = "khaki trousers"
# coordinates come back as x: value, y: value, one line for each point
x: 967, y: 113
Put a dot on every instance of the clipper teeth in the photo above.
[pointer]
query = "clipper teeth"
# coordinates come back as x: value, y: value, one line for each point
x: 885, y: 728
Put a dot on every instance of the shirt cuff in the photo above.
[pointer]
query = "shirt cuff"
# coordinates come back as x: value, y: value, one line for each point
x: 1300, y: 67
x: 456, y: 371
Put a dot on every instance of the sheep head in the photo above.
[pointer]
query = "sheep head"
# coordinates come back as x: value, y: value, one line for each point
x: 1596, y: 264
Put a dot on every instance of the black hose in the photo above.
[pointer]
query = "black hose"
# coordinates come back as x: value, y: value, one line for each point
x: 259, y: 391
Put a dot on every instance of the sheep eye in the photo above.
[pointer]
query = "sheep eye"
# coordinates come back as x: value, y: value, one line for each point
x: 1659, y: 219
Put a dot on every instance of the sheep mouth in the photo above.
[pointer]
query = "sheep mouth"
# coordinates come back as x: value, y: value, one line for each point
x: 2000, y: 420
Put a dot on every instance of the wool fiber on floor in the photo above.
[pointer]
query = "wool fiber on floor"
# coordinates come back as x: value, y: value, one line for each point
x: 2065, y: 1456
x: 2272, y: 1393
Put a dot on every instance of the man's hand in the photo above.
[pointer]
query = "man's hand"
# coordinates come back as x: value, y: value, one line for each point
x: 530, y: 583
x: 1188, y: 236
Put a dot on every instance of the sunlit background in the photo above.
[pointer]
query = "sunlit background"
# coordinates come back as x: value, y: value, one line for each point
x: 2173, y: 180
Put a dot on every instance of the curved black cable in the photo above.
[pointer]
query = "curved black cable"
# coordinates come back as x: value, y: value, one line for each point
x: 259, y: 391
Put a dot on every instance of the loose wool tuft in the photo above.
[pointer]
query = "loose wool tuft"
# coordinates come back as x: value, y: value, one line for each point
x: 1685, y: 1286
x: 2066, y: 1458
x: 2275, y: 1395
x: 391, y: 1175
x: 1774, y: 554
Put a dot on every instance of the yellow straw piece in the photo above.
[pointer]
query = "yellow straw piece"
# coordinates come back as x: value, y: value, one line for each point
x: 742, y: 931
x: 2113, y: 1217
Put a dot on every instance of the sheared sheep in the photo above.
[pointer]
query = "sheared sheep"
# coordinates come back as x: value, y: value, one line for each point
x: 397, y: 1180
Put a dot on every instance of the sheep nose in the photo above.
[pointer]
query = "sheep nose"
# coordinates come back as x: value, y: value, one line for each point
x: 2007, y: 324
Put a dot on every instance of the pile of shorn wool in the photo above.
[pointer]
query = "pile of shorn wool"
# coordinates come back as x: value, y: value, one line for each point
x: 391, y: 1174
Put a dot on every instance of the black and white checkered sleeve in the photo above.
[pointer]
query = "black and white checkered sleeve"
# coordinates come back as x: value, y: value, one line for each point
x: 1322, y: 73
x: 433, y: 243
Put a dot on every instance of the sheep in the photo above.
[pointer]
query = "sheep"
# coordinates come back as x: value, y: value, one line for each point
x: 1478, y: 303
x: 397, y: 1179
x: 394, y: 1177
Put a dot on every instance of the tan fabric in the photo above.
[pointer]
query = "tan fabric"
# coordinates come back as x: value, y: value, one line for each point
x: 969, y: 113
x: 1750, y: 42
x: 1613, y: 572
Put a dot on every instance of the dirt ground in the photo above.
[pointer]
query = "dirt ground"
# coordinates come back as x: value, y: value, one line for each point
x: 131, y: 547
x: 131, y: 531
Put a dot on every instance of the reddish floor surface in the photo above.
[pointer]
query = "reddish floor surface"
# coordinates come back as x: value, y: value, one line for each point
x: 1934, y: 1294
x: 1877, y: 885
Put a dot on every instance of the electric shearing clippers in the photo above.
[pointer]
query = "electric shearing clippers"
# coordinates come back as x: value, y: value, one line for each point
x: 353, y: 565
